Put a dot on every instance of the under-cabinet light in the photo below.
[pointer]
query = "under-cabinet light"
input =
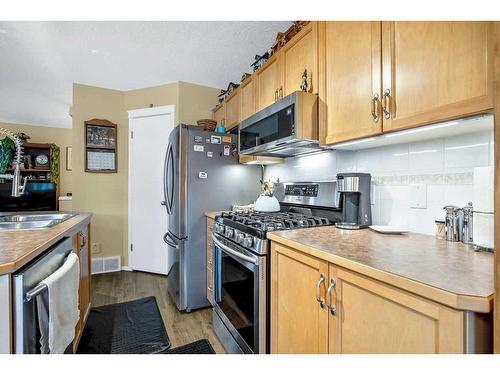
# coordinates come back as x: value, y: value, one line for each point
x: 422, y: 129
x: 354, y: 142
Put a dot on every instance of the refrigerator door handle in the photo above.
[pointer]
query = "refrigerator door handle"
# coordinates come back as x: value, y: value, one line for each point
x: 172, y: 182
x: 170, y: 242
x: 166, y: 170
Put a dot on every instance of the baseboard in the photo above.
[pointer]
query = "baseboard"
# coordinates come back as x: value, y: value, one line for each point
x: 127, y: 268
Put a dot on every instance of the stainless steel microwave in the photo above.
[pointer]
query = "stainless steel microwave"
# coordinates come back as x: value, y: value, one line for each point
x: 286, y: 128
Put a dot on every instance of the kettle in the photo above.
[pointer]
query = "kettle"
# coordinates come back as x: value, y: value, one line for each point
x: 267, y: 203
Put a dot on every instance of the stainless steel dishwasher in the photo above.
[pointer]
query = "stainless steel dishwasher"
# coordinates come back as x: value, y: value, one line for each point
x: 26, y: 285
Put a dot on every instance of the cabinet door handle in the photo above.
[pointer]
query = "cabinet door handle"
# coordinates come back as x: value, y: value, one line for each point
x: 386, y: 108
x: 276, y: 95
x: 281, y: 92
x: 318, y: 291
x: 333, y: 309
x: 375, y: 108
x: 82, y: 239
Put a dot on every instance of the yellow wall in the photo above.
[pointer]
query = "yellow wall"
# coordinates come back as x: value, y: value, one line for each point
x: 45, y: 134
x: 157, y: 95
x: 106, y: 194
x: 195, y: 102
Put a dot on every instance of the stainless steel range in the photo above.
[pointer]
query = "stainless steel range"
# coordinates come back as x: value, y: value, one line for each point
x: 241, y: 262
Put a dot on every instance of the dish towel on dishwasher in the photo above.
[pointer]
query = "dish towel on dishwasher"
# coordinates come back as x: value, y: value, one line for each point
x: 58, y: 311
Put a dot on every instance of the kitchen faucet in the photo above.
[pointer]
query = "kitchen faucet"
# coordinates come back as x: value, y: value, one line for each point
x: 17, y: 187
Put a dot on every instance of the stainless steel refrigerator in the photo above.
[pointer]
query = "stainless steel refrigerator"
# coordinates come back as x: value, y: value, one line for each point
x: 201, y: 174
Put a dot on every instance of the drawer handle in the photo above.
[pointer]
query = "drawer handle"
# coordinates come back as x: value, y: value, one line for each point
x: 375, y: 108
x: 387, y: 104
x: 318, y: 291
x: 333, y: 309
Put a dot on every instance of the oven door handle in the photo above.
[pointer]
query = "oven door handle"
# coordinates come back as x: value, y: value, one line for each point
x: 235, y: 253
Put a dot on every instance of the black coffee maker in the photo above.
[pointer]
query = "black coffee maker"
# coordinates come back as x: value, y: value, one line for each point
x: 354, y: 189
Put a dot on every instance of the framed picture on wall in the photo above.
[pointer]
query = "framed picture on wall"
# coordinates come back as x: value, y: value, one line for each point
x: 69, y: 155
x: 100, y: 146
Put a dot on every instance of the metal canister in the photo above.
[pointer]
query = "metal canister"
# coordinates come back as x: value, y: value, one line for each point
x: 454, y: 223
x: 467, y: 223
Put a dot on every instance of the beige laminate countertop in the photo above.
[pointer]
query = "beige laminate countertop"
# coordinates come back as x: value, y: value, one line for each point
x: 18, y: 247
x: 212, y: 214
x: 450, y: 273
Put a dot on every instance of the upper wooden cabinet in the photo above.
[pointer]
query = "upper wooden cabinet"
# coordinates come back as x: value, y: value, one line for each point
x: 434, y: 71
x: 393, y: 75
x: 350, y: 85
x: 233, y: 107
x: 268, y: 83
x: 298, y: 55
x: 247, y: 89
x: 219, y: 113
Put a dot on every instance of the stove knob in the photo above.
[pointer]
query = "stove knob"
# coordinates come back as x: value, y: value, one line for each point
x: 248, y: 241
x: 219, y: 228
x: 240, y: 238
x: 229, y: 232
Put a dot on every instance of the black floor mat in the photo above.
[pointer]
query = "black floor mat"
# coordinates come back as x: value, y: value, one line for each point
x: 133, y: 327
x: 197, y: 347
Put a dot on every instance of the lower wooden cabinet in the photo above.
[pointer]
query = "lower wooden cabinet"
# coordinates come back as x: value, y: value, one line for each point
x: 210, y: 264
x: 368, y: 316
x: 318, y: 307
x: 81, y: 244
x: 298, y: 322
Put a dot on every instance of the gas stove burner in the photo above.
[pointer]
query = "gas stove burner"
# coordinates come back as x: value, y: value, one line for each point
x: 270, y: 221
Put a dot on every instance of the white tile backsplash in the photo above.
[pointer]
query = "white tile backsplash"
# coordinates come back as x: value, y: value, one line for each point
x: 467, y: 150
x: 426, y: 156
x: 444, y: 165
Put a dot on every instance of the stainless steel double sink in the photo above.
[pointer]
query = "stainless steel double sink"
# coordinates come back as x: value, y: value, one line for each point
x: 33, y: 220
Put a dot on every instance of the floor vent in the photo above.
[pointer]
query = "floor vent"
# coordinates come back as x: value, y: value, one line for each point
x: 107, y: 264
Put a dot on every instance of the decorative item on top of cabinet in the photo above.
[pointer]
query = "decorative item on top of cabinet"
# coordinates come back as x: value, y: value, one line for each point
x: 304, y: 84
x: 435, y: 71
x: 259, y: 61
x: 282, y: 38
x: 225, y: 93
x: 100, y: 146
x: 245, y: 76
x: 350, y: 83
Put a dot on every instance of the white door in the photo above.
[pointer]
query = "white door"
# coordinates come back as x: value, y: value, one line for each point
x: 149, y: 132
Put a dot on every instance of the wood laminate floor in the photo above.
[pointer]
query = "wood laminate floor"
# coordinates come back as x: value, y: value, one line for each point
x: 182, y: 328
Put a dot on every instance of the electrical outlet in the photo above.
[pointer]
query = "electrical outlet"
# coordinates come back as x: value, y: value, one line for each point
x: 418, y: 196
x: 96, y: 248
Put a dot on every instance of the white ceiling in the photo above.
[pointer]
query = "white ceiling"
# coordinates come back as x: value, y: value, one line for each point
x: 39, y: 61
